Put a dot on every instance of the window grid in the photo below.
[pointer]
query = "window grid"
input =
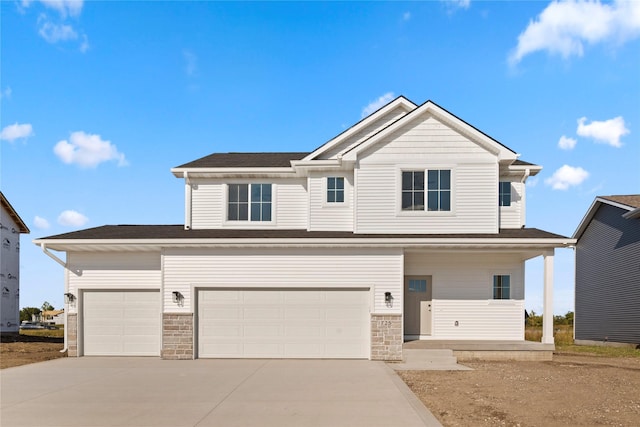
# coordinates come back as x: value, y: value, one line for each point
x: 501, y: 287
x: 504, y: 193
x: 335, y: 190
x: 413, y: 191
x: 417, y: 285
x: 439, y: 190
x: 241, y: 207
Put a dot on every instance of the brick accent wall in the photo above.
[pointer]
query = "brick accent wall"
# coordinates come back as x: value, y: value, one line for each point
x: 177, y: 336
x: 386, y: 337
x: 72, y: 334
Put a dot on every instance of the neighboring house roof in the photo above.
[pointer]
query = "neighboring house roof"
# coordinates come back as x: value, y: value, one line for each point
x: 52, y: 313
x: 13, y: 214
x: 629, y: 203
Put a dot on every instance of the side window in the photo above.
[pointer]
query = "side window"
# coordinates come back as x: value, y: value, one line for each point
x: 439, y: 190
x: 249, y: 202
x: 335, y: 190
x: 501, y: 287
x: 504, y: 193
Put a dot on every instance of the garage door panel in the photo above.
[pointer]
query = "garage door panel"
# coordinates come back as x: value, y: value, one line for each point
x: 317, y: 323
x: 121, y: 323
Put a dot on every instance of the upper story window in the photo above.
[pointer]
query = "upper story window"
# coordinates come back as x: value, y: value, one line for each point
x: 502, y: 287
x: 438, y: 190
x: 335, y: 189
x: 413, y: 190
x: 504, y: 193
x: 249, y: 202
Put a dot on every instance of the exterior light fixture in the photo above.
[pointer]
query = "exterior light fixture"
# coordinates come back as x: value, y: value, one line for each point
x: 388, y: 299
x: 69, y: 298
x: 177, y: 297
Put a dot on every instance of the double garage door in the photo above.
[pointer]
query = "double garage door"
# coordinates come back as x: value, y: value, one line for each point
x: 121, y: 323
x: 283, y: 323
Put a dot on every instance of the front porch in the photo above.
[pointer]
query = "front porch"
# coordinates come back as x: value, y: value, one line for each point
x: 466, y: 350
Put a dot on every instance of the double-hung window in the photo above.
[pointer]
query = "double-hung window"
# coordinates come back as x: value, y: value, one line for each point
x: 504, y: 193
x: 335, y: 189
x: 501, y: 287
x: 249, y: 202
x: 438, y: 190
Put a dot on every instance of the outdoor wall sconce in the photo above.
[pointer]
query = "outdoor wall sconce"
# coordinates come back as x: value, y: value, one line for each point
x: 388, y: 299
x: 69, y: 298
x: 177, y: 297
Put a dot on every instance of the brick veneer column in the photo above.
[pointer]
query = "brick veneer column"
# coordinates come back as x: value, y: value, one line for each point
x: 177, y: 336
x: 72, y: 334
x: 386, y: 337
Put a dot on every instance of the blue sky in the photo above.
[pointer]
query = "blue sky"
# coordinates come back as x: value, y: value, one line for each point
x: 100, y: 99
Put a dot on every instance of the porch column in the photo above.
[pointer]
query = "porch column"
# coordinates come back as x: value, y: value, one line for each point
x: 547, y: 310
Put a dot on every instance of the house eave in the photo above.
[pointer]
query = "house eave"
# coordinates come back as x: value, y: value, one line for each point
x: 234, y: 172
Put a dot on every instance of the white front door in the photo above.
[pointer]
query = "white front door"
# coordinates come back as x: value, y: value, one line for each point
x: 417, y: 305
x: 121, y: 323
x: 283, y: 323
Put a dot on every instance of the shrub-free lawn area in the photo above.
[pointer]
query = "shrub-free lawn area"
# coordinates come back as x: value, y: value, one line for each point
x: 30, y: 346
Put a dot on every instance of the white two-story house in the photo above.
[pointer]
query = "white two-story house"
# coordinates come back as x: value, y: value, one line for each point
x: 408, y: 225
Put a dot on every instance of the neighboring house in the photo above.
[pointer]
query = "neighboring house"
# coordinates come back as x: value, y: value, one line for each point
x: 11, y: 226
x: 608, y: 272
x: 407, y: 225
x: 52, y: 317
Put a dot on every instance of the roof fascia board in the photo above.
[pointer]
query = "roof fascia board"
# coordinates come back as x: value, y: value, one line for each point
x: 14, y: 215
x: 471, y: 243
x: 594, y: 208
x: 399, y: 102
x: 224, y: 172
x: 444, y: 116
x: 632, y: 214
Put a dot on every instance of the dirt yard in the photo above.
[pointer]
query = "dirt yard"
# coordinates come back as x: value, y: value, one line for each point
x: 572, y: 390
x: 22, y: 350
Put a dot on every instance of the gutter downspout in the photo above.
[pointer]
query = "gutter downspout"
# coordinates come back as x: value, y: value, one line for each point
x: 65, y: 348
x: 187, y: 201
x: 523, y: 209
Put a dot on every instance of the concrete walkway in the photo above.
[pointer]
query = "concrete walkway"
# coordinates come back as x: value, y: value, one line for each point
x: 97, y: 391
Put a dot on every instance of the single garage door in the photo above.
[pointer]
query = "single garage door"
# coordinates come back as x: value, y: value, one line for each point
x: 283, y: 323
x: 121, y: 323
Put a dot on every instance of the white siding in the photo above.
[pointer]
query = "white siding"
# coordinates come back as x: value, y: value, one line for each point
x: 332, y: 217
x: 513, y: 216
x: 478, y: 320
x: 463, y: 293
x: 125, y: 270
x: 290, y: 203
x: 422, y: 145
x: 378, y: 269
x: 365, y: 133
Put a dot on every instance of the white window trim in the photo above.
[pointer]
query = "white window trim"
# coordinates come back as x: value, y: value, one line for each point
x: 502, y: 273
x: 512, y: 205
x: 347, y: 192
x: 425, y: 212
x: 248, y: 223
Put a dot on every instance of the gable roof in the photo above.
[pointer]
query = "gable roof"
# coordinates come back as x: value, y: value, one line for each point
x: 22, y: 227
x: 443, y: 116
x: 629, y: 203
x: 401, y: 102
x: 245, y: 160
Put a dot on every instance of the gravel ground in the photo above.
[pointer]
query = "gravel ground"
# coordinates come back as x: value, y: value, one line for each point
x: 572, y: 390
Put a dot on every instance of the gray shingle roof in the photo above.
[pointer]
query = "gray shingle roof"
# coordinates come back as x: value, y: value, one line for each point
x: 632, y: 200
x: 245, y: 160
x: 107, y: 232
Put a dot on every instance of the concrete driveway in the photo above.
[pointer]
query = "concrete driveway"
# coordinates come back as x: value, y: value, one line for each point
x: 97, y: 391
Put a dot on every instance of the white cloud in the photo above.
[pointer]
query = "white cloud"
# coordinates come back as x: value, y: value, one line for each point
x: 6, y: 93
x: 566, y: 25
x: 16, y: 131
x: 63, y: 7
x: 567, y: 143
x: 567, y: 176
x: 191, y: 60
x: 87, y: 150
x: 54, y: 33
x: 84, y: 46
x: 458, y: 4
x: 532, y: 182
x: 377, y: 104
x: 41, y: 223
x: 406, y: 16
x: 71, y: 218
x: 607, y: 132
